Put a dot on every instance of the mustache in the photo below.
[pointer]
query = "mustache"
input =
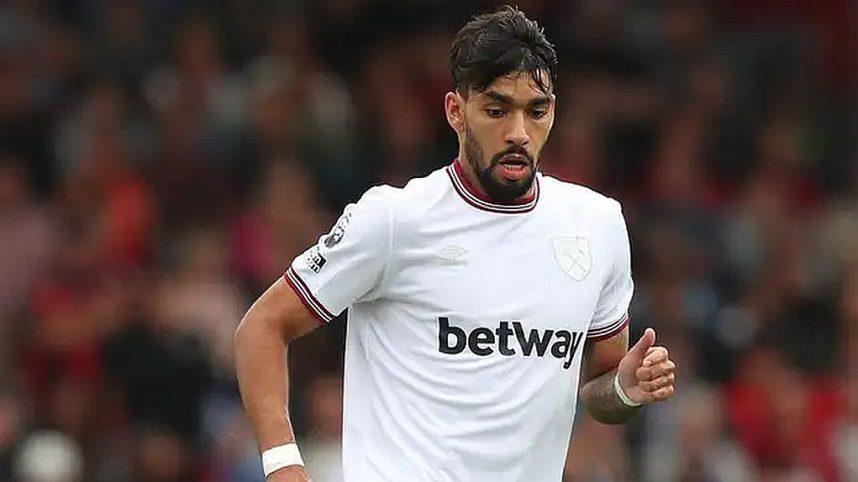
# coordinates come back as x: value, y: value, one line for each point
x: 514, y: 149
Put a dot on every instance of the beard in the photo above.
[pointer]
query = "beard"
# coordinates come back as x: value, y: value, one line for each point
x: 502, y: 191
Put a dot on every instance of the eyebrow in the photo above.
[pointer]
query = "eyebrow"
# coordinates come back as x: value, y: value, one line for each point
x: 505, y: 99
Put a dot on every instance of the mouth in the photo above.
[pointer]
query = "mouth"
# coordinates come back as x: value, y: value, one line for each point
x: 514, y: 167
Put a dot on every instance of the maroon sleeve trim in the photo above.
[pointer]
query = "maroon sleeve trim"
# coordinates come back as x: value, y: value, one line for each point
x: 609, y: 331
x: 306, y: 296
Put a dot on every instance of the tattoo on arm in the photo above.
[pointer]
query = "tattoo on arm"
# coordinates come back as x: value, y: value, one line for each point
x: 602, y: 400
x: 598, y: 392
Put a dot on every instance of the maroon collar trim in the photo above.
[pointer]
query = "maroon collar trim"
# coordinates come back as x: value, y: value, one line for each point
x: 480, y: 201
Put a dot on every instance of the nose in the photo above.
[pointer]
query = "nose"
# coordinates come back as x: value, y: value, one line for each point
x: 516, y: 133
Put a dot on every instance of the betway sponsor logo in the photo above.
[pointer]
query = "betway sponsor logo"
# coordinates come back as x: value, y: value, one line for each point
x: 509, y: 339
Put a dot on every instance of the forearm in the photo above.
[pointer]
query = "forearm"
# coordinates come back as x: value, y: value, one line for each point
x: 602, y: 401
x: 261, y: 354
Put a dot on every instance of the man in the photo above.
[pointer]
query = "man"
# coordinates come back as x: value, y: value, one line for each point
x: 473, y: 294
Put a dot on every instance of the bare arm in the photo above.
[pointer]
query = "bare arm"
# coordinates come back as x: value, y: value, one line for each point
x: 597, y: 393
x: 261, y: 341
x: 645, y: 373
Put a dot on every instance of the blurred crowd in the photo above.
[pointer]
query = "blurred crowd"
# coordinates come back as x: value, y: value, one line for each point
x: 163, y: 161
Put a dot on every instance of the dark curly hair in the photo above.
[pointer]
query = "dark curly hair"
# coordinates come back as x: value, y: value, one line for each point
x: 499, y: 43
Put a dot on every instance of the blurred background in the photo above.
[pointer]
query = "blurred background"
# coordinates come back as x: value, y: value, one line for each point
x: 162, y: 162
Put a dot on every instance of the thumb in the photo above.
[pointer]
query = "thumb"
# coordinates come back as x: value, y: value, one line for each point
x: 638, y: 351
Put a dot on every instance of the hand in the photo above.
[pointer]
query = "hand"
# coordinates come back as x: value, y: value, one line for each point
x: 646, y: 373
x: 293, y: 473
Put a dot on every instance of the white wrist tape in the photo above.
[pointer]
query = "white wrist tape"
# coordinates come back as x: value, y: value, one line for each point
x: 279, y: 457
x: 625, y: 398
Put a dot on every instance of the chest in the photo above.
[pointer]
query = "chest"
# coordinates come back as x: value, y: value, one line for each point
x: 543, y: 271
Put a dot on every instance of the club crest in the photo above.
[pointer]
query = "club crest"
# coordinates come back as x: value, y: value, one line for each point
x: 573, y: 256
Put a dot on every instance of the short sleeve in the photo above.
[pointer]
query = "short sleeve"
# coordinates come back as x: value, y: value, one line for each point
x: 348, y: 262
x: 611, y: 314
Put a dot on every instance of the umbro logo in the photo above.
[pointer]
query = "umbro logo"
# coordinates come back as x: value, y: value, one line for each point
x: 452, y: 255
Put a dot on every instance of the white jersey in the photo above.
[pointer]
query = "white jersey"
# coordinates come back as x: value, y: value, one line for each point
x: 466, y: 325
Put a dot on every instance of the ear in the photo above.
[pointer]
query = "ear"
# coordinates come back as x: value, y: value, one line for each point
x: 454, y: 107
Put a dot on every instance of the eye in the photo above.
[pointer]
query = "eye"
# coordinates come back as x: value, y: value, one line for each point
x: 538, y: 113
x: 495, y: 112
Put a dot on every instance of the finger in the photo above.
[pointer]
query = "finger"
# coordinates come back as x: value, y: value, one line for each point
x: 656, y: 354
x: 663, y: 394
x: 658, y: 383
x: 649, y: 373
x: 655, y: 371
x: 638, y: 351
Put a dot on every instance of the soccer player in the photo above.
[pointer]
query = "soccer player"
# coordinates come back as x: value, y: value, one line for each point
x: 473, y: 295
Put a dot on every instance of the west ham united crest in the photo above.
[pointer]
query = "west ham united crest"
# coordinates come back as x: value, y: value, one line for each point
x: 573, y: 256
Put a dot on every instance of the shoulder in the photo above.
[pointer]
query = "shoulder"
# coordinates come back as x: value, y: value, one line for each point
x: 602, y: 215
x: 418, y: 195
x: 580, y: 198
x: 398, y: 205
x: 415, y: 191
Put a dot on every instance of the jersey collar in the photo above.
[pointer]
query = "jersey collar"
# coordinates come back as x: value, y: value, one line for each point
x: 480, y: 201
